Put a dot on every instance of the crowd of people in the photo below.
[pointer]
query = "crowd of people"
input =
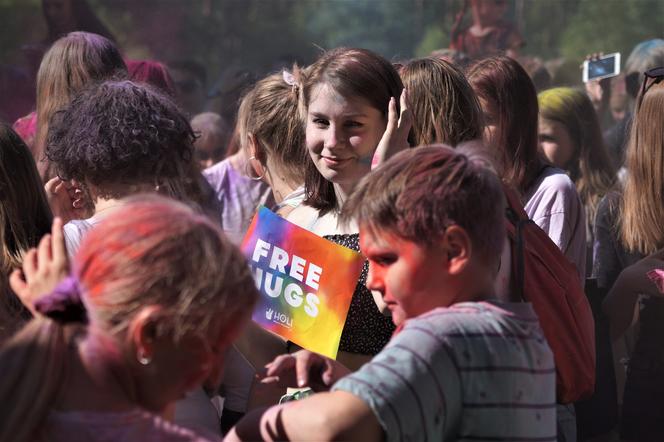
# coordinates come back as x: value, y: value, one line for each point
x: 126, y: 302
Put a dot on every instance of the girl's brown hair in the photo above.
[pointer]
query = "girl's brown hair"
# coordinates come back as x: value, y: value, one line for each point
x: 506, y: 88
x: 445, y: 108
x: 73, y: 62
x: 270, y: 113
x: 24, y: 218
x: 356, y: 73
x: 642, y: 211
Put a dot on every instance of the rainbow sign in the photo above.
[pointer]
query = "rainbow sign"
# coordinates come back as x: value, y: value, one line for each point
x: 306, y: 282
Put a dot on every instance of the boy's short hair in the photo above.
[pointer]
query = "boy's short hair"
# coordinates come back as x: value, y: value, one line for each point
x: 420, y: 192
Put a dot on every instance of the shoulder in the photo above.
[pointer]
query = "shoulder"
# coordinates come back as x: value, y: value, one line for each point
x: 610, y: 203
x: 303, y: 216
x: 552, y: 191
x: 129, y: 425
x: 216, y: 173
x: 309, y: 218
x: 466, y: 318
x: 74, y: 231
x: 556, y: 180
x: 473, y: 327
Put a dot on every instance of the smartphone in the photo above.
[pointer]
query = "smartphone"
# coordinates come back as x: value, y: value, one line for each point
x: 603, y: 67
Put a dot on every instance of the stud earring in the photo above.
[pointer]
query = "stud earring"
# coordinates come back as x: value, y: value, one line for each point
x: 142, y: 358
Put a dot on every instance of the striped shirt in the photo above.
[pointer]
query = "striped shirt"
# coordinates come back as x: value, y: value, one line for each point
x: 470, y: 372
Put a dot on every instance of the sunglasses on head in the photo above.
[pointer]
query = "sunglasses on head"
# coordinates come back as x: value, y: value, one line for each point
x: 651, y: 77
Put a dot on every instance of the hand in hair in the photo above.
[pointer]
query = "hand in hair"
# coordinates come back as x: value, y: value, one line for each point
x: 395, y: 138
x: 304, y: 369
x: 620, y: 303
x: 43, y: 268
x: 67, y: 200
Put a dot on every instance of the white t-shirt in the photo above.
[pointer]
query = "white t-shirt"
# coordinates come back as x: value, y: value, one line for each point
x: 75, y: 230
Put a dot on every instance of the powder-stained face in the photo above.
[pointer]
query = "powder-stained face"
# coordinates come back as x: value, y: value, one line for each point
x: 342, y: 134
x: 556, y: 143
x: 411, y: 278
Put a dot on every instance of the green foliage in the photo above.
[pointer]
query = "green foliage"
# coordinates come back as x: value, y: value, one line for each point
x: 612, y: 26
x: 434, y: 38
x: 256, y: 34
x: 542, y: 24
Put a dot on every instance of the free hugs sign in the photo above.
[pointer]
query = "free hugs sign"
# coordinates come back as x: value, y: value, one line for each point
x: 306, y: 282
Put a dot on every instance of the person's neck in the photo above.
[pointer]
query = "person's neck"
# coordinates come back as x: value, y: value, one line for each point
x: 281, y: 188
x: 281, y: 185
x: 104, y: 206
x: 239, y: 161
x: 97, y: 379
x: 476, y: 284
x: 342, y: 192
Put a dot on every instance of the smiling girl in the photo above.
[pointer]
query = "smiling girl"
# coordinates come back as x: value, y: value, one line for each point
x: 349, y: 108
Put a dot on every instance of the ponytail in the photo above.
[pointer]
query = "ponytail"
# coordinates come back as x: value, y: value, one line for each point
x: 32, y: 366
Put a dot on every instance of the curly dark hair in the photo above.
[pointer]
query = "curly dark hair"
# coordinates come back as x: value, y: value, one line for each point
x: 119, y: 132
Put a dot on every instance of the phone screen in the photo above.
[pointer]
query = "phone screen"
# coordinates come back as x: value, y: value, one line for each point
x: 602, y: 68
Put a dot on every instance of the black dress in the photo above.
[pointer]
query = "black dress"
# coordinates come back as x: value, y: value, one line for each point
x: 366, y: 330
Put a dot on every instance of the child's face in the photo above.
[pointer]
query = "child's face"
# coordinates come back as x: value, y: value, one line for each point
x: 555, y: 142
x: 412, y: 279
x: 342, y: 134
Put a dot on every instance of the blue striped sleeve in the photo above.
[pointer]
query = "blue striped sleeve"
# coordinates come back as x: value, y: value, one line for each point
x: 410, y: 386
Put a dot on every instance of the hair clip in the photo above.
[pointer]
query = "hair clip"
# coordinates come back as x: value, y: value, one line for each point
x: 289, y: 78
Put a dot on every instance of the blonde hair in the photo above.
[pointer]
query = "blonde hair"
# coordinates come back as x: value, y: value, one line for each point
x: 270, y: 112
x: 642, y: 211
x: 67, y: 67
x: 590, y: 167
x: 131, y: 260
x: 445, y: 108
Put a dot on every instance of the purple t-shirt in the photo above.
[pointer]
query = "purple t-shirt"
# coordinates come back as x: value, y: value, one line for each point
x: 238, y: 197
x: 553, y: 203
x: 135, y: 425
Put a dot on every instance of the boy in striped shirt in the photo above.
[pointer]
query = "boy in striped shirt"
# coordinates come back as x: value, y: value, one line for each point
x: 461, y: 365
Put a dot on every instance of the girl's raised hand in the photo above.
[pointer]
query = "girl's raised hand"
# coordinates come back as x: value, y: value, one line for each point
x: 43, y: 268
x: 395, y: 138
x: 67, y: 199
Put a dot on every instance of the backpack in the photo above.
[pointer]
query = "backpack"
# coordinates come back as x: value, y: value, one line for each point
x: 543, y: 276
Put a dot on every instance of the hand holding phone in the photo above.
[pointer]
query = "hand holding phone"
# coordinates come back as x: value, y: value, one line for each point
x: 602, y: 67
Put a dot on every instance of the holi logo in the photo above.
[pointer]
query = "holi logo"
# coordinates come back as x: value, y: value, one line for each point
x: 279, y: 318
x: 306, y: 282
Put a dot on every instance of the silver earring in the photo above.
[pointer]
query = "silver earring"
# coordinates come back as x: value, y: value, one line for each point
x: 142, y: 358
x: 249, y: 169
